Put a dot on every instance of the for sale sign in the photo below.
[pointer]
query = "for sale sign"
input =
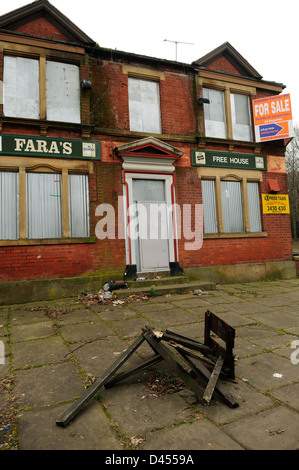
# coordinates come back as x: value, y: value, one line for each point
x: 273, y: 118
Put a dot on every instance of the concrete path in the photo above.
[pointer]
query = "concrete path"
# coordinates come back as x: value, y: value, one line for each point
x: 53, y: 350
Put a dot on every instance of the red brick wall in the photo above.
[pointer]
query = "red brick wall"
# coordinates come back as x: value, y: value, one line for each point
x: 45, y: 261
x: 110, y: 104
x: 277, y: 246
x: 42, y: 27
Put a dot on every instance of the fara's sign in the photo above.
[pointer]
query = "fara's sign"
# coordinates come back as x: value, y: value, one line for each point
x: 273, y: 118
x: 228, y: 160
x: 46, y: 147
x: 276, y: 204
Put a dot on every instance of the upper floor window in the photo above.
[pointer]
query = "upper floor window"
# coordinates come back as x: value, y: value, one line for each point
x: 144, y: 105
x: 41, y: 89
x: 227, y: 116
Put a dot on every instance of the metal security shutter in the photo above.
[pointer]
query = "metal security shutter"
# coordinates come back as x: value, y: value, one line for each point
x: 254, y: 207
x: 43, y: 204
x: 209, y: 206
x: 9, y: 206
x: 232, y: 210
x: 79, y: 206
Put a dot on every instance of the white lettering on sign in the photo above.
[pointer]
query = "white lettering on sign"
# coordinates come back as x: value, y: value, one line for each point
x: 278, y: 106
x: 42, y: 146
x: 239, y: 161
x: 219, y: 159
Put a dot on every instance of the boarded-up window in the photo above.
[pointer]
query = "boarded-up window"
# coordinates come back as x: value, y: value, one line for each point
x: 63, y: 92
x: 43, y: 205
x: 215, y: 124
x: 21, y: 87
x: 9, y: 206
x: 78, y: 206
x: 240, y: 117
x: 144, y: 106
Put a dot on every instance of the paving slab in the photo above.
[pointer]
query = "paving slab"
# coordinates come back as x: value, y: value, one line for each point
x: 47, y: 385
x: 25, y: 332
x: 85, y: 331
x: 259, y: 370
x: 250, y: 402
x: 90, y: 431
x: 288, y: 395
x: 137, y: 409
x: 198, y: 435
x: 275, y: 429
x: 38, y: 352
x: 276, y: 319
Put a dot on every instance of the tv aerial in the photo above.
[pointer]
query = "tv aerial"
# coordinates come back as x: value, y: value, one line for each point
x: 176, y: 46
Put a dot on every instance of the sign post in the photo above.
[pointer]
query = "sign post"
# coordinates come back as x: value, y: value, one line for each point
x: 273, y: 118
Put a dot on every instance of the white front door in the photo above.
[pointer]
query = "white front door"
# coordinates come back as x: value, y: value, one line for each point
x: 152, y: 243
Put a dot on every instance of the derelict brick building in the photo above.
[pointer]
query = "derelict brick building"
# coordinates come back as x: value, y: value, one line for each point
x: 83, y: 127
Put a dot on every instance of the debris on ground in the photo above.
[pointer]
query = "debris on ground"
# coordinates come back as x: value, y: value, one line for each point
x: 8, y: 417
x: 161, y: 384
x: 114, y: 285
x: 199, y: 292
x: 52, y: 313
x: 109, y: 298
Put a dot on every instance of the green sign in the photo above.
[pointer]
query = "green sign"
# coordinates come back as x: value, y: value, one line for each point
x: 46, y: 147
x: 228, y: 160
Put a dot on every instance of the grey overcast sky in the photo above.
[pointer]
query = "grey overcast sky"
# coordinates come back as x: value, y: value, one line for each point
x: 264, y: 32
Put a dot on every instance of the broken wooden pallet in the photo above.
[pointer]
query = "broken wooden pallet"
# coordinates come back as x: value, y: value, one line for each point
x: 188, y: 358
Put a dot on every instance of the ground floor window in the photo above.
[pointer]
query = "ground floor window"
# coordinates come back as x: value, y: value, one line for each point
x: 56, y: 205
x: 231, y: 206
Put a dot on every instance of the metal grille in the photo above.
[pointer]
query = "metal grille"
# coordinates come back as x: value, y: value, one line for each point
x: 79, y: 206
x: 9, y: 206
x: 209, y: 206
x: 232, y: 210
x: 43, y: 201
x: 254, y: 207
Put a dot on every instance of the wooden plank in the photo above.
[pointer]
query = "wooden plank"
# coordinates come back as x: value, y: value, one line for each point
x: 133, y: 371
x: 207, y: 396
x: 188, y: 343
x: 219, y: 388
x: 175, y: 362
x: 93, y: 390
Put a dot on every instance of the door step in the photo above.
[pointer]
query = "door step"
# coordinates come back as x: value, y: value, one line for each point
x: 165, y: 286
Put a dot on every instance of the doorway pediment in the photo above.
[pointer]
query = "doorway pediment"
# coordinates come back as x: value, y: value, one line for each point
x: 150, y: 147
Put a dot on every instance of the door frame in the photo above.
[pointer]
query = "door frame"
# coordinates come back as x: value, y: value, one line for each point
x: 169, y: 179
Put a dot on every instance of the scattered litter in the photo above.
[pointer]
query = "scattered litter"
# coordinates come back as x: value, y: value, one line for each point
x: 278, y: 376
x: 135, y: 441
x: 140, y: 279
x: 118, y: 302
x: 275, y: 431
x: 51, y: 312
x: 199, y: 292
x: 108, y: 298
x: 114, y: 285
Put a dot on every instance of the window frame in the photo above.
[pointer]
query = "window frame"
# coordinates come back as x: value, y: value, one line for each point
x: 228, y: 88
x: 244, y: 177
x: 67, y: 55
x: 23, y: 166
